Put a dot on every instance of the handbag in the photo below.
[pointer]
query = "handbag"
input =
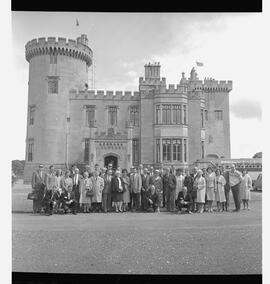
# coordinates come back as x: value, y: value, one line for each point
x: 90, y: 193
x: 32, y: 196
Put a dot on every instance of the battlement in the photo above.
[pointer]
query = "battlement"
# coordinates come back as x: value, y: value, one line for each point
x: 104, y: 95
x: 210, y: 84
x: 152, y: 81
x: 69, y: 47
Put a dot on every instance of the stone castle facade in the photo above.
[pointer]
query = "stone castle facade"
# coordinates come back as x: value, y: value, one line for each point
x: 158, y: 124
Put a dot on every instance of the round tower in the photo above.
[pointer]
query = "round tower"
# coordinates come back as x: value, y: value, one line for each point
x: 55, y: 67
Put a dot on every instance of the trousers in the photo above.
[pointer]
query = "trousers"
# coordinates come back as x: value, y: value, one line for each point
x: 236, y: 195
x: 135, y: 200
x: 106, y: 201
x: 170, y: 200
x: 227, y: 202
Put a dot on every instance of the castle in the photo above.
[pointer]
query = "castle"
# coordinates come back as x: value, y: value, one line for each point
x: 158, y: 124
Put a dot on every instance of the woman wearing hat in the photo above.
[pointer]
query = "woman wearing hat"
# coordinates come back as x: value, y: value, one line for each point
x: 201, y: 186
x: 118, y: 187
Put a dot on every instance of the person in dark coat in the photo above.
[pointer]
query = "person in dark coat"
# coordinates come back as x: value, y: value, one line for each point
x: 184, y: 200
x: 188, y: 183
x: 145, y: 187
x: 38, y: 186
x: 107, y: 192
x: 76, y: 186
x: 152, y: 198
x: 169, y: 185
x: 118, y: 188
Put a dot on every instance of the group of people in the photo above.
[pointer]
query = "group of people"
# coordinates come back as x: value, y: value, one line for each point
x: 141, y: 189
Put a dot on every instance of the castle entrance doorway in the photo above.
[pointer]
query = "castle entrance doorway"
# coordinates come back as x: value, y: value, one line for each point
x: 111, y: 159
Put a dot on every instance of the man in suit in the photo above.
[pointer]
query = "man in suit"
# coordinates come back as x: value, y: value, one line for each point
x: 145, y: 187
x: 51, y: 186
x: 135, y: 188
x: 107, y: 191
x: 76, y: 186
x: 184, y: 200
x: 38, y: 186
x: 235, y: 178
x: 169, y: 185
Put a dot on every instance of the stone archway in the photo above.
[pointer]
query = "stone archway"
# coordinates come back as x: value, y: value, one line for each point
x: 111, y: 158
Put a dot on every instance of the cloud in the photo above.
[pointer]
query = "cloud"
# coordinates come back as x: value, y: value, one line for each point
x: 247, y: 109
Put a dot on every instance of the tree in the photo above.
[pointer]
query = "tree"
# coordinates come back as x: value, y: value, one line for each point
x: 257, y: 155
x: 18, y: 167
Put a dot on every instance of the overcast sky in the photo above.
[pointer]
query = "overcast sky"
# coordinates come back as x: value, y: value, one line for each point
x: 229, y: 45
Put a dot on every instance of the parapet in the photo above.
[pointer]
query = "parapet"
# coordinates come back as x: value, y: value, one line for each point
x: 62, y: 46
x: 152, y: 81
x: 214, y: 85
x: 104, y: 95
x: 172, y: 89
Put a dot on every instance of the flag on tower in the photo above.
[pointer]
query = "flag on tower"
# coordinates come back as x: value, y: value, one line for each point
x: 77, y: 22
x: 199, y: 63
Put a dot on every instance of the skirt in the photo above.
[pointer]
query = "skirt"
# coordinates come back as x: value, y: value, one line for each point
x: 117, y: 196
x: 126, y: 196
x: 210, y: 193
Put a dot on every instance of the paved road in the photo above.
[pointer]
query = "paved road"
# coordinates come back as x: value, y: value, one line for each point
x: 217, y: 243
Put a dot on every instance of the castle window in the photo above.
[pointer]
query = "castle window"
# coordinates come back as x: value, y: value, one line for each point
x: 202, y: 118
x: 112, y: 115
x: 32, y: 114
x: 30, y: 152
x: 176, y: 114
x: 202, y: 145
x: 166, y: 114
x: 157, y: 114
x: 53, y: 85
x: 134, y: 115
x: 184, y: 114
x: 90, y: 115
x: 206, y: 114
x: 218, y: 115
x: 177, y: 150
x: 166, y: 148
x: 185, y: 150
x: 135, y: 150
x: 157, y: 150
x: 86, y: 150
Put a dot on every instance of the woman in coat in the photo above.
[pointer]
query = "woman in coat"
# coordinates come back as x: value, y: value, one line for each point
x: 220, y: 193
x: 245, y: 187
x: 97, y: 185
x: 158, y: 183
x: 85, y: 200
x: 118, y: 188
x: 201, y: 187
x: 210, y: 179
x: 126, y: 194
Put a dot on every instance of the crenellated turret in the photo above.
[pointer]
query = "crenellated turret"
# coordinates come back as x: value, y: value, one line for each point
x: 76, y: 49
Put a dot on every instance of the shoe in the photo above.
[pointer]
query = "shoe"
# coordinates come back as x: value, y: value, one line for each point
x: 189, y: 212
x: 236, y: 210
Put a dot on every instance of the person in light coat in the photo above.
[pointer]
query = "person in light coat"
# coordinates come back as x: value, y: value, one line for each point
x: 210, y: 179
x: 201, y: 187
x: 245, y: 187
x: 219, y: 190
x: 85, y: 201
x: 97, y: 185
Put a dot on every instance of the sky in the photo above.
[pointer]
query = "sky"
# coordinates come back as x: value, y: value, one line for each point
x: 230, y: 46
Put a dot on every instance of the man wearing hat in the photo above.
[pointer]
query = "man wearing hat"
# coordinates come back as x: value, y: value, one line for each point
x: 38, y: 186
